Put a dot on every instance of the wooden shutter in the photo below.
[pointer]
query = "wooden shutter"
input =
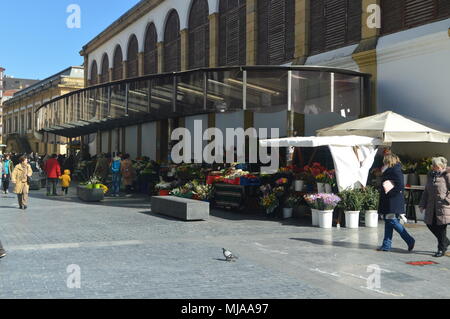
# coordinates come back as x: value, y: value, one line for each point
x: 172, y: 41
x: 354, y: 14
x: 104, y: 77
x: 199, y: 35
x: 335, y: 23
x: 317, y: 39
x: 418, y: 12
x: 443, y: 8
x: 290, y: 29
x: 277, y: 34
x: 117, y: 65
x: 94, y: 74
x: 151, y: 51
x: 132, y: 59
x: 232, y: 32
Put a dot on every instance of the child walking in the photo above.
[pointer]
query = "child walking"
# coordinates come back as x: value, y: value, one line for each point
x: 65, y: 181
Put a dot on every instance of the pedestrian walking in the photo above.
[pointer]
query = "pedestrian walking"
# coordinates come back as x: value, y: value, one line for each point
x: 436, y: 203
x: 65, y: 181
x: 392, y: 202
x: 53, y: 171
x: 21, y: 178
x: 7, y: 169
x: 116, y: 175
x: 128, y: 174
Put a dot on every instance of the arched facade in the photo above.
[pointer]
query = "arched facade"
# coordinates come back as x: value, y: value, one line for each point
x: 232, y: 32
x: 132, y: 57
x: 118, y: 64
x: 199, y: 34
x: 94, y: 74
x: 276, y: 31
x: 104, y: 74
x: 172, y: 43
x: 151, y: 50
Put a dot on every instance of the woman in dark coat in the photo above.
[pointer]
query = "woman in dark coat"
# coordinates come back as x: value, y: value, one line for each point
x: 392, y: 202
x: 436, y: 202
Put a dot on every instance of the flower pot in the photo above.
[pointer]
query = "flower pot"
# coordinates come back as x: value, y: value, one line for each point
x: 299, y: 184
x: 371, y: 218
x: 164, y: 192
x: 315, y: 217
x: 352, y: 219
x: 320, y: 188
x: 423, y: 180
x: 413, y: 179
x: 419, y: 214
x: 325, y: 218
x: 328, y: 189
x: 287, y: 213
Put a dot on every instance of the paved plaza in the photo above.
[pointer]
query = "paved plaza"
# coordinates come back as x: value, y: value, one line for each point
x: 123, y: 250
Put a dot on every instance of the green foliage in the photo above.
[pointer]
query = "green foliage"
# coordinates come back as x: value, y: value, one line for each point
x: 424, y: 166
x: 371, y: 198
x: 352, y: 200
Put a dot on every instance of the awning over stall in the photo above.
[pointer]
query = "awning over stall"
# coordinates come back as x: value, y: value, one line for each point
x: 389, y: 127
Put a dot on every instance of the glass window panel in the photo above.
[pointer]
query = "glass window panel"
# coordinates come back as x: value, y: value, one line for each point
x: 138, y: 97
x: 348, y: 95
x: 118, y: 107
x: 225, y: 91
x: 161, y: 97
x: 267, y: 91
x: 190, y: 94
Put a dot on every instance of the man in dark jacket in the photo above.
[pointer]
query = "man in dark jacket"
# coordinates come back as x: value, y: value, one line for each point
x: 53, y: 171
x: 392, y: 202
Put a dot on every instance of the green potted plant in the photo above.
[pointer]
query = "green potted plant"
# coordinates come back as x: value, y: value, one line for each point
x: 423, y: 168
x: 370, y: 205
x: 289, y: 205
x: 352, y: 202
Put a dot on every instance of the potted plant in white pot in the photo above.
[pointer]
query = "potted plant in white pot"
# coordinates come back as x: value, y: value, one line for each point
x: 352, y: 203
x: 289, y: 205
x: 322, y: 206
x: 370, y: 206
x: 423, y: 168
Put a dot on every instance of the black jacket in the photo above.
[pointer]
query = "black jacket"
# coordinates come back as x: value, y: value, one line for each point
x: 394, y: 201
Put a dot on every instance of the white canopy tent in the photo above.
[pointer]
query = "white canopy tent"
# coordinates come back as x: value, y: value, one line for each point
x: 389, y: 127
x: 353, y: 156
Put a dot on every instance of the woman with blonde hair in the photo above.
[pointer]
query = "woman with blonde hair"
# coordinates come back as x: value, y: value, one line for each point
x: 436, y: 203
x: 392, y: 202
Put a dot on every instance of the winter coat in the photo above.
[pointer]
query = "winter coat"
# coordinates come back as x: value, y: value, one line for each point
x: 436, y: 199
x: 19, y: 178
x: 52, y: 168
x: 65, y: 179
x: 394, y: 201
x: 128, y: 172
x: 10, y: 165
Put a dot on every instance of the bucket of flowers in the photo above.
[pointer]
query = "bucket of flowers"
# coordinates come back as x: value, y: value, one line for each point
x: 322, y: 207
x: 270, y: 202
x: 163, y: 188
x: 203, y: 192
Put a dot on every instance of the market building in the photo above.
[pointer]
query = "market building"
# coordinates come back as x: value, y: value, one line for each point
x: 136, y: 98
x: 20, y: 133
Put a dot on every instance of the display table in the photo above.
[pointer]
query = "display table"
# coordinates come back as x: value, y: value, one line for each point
x: 411, y: 193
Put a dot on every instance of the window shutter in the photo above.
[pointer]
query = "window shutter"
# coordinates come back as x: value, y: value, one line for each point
x: 94, y: 72
x: 335, y: 23
x: 354, y: 21
x: 199, y: 35
x: 277, y: 34
x: 132, y: 59
x: 232, y: 32
x: 151, y: 52
x: 263, y: 31
x: 317, y: 39
x: 118, y: 67
x: 104, y: 77
x: 418, y: 12
x: 290, y: 29
x: 172, y: 41
x: 443, y: 9
x: 392, y: 15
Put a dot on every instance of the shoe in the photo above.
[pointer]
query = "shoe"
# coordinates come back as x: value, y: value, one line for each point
x: 383, y: 249
x: 410, y: 248
x: 3, y: 254
x: 440, y: 253
x: 25, y: 207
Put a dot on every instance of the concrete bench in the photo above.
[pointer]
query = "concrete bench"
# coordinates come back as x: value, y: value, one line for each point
x: 181, y: 208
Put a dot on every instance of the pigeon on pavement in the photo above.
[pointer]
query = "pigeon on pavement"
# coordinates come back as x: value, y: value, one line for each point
x: 229, y: 255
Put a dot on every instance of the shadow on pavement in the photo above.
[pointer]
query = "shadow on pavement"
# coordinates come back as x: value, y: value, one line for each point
x: 350, y: 245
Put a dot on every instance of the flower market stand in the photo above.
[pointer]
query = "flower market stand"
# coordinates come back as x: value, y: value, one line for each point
x: 90, y: 194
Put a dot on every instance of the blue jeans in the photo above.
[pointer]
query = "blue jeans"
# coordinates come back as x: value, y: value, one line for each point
x: 115, y: 183
x: 389, y: 226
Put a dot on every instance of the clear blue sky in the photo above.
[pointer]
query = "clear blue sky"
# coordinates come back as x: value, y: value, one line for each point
x: 35, y: 41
